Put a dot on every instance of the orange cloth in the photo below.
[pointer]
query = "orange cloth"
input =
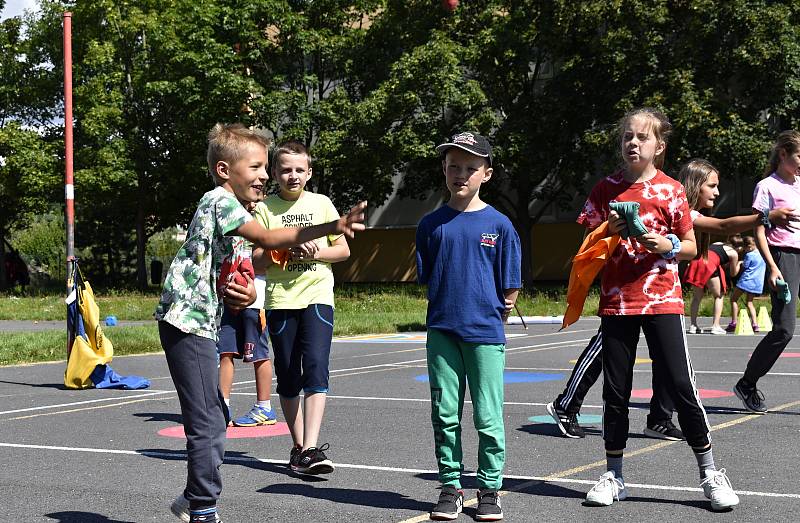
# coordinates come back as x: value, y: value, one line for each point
x: 595, y: 251
x: 280, y: 257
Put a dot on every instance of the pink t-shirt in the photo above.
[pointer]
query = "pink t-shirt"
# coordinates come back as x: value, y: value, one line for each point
x: 774, y: 192
x: 636, y: 281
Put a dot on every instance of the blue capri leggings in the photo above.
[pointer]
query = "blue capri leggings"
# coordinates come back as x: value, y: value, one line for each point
x: 301, y: 347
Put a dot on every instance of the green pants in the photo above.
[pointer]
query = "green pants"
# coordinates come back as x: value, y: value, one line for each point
x: 452, y: 365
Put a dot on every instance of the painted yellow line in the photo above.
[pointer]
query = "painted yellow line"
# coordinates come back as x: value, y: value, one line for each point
x: 602, y: 463
x: 81, y: 409
x: 637, y: 361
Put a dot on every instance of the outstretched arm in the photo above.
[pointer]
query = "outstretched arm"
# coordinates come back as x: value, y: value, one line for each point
x: 736, y: 224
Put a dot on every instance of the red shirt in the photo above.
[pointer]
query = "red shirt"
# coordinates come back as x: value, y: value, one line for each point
x: 636, y: 281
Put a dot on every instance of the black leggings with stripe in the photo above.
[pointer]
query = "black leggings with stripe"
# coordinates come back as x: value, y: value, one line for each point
x: 672, y: 370
x: 588, y: 368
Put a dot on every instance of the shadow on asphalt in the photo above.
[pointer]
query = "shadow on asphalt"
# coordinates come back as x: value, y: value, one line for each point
x: 360, y: 497
x: 160, y: 416
x: 82, y: 517
x: 59, y: 386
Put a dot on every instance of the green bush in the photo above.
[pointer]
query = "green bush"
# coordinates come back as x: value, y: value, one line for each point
x: 42, y: 246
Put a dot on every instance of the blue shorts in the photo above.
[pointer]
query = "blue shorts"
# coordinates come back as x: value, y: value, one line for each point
x: 240, y: 335
x: 301, y: 341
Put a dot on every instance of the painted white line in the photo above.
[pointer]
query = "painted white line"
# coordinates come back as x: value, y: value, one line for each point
x: 87, y: 402
x: 405, y: 470
x: 649, y: 371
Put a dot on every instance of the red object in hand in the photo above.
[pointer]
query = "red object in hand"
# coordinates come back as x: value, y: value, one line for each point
x: 233, y: 270
x: 450, y: 5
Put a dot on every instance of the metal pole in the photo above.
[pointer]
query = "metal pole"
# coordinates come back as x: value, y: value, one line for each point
x: 69, y: 189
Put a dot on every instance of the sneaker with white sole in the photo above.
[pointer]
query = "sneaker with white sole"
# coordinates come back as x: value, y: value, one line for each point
x: 664, y: 430
x: 567, y: 423
x: 717, y: 330
x: 489, y: 508
x: 752, y: 398
x: 608, y: 489
x: 717, y: 487
x: 258, y: 415
x: 180, y: 508
x: 694, y: 329
x: 450, y: 504
x: 313, y: 461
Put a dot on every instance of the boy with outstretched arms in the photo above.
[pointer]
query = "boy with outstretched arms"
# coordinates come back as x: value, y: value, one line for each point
x: 468, y: 254
x: 190, y: 307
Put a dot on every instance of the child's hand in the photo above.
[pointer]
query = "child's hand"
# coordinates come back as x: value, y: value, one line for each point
x: 654, y: 242
x: 238, y: 297
x: 352, y: 221
x: 305, y: 251
x: 783, y: 217
x: 509, y: 307
x: 774, y: 275
x: 616, y: 223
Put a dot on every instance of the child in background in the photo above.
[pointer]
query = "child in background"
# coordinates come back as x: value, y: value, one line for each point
x: 299, y: 303
x: 469, y: 256
x: 779, y: 245
x: 640, y: 290
x: 709, y: 271
x: 239, y: 337
x: 190, y: 308
x: 751, y: 283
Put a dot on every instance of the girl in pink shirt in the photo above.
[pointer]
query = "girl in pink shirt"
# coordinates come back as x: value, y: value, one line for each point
x: 780, y: 247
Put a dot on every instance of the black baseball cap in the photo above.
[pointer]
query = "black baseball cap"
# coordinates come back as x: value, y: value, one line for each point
x: 473, y: 143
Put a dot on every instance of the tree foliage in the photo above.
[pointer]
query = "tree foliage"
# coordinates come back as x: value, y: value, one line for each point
x: 372, y: 85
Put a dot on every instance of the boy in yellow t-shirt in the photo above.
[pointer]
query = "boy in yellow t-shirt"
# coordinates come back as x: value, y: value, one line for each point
x: 299, y: 303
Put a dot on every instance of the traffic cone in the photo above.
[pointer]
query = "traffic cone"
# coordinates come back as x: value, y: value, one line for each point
x: 743, y: 326
x: 764, y: 321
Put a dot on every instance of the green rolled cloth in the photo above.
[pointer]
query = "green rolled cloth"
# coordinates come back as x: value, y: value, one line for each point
x: 629, y: 211
x: 783, y: 291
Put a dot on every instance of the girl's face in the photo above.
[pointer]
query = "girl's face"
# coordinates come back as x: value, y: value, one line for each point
x: 790, y: 164
x: 708, y: 191
x: 639, y: 144
x: 292, y: 173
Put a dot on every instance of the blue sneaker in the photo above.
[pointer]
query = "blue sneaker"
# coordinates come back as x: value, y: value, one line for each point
x: 258, y: 415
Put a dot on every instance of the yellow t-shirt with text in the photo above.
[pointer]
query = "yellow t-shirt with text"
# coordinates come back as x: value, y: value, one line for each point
x: 305, y: 282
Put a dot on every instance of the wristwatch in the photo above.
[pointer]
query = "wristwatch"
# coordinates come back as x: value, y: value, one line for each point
x: 676, y: 247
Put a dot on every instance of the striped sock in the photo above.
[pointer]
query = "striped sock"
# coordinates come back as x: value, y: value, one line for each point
x: 203, y: 515
x: 705, y: 461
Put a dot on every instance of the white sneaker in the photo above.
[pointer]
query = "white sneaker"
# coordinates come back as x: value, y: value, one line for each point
x: 694, y: 329
x: 180, y: 508
x: 717, y: 487
x: 607, y: 489
x: 716, y: 329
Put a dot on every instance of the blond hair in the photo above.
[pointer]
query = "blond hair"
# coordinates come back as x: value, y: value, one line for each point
x: 228, y: 142
x: 662, y: 128
x: 787, y: 141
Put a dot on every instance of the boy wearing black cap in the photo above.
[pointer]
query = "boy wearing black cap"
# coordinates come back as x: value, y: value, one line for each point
x: 468, y: 254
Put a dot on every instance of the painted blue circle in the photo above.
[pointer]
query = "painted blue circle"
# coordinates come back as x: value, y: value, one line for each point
x: 583, y: 419
x: 515, y: 377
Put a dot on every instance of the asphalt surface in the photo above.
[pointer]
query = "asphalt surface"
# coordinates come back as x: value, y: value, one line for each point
x: 96, y: 455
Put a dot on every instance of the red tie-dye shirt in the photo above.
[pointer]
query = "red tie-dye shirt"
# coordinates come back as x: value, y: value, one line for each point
x: 636, y: 281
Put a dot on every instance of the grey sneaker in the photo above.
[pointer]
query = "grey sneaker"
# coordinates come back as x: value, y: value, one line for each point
x: 664, y: 430
x: 180, y: 508
x: 567, y: 423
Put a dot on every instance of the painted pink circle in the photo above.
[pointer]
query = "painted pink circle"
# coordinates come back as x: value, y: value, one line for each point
x: 790, y: 355
x: 263, y: 431
x: 646, y: 394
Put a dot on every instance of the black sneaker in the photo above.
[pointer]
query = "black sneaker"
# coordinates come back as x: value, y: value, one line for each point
x: 450, y: 504
x: 314, y: 461
x: 567, y: 423
x: 489, y: 508
x: 664, y: 430
x: 752, y: 398
x: 294, y: 456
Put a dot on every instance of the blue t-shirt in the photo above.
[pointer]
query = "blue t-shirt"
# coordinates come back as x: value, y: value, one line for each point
x: 753, y: 270
x: 468, y: 260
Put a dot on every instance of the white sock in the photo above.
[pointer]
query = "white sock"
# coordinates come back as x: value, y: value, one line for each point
x: 267, y: 404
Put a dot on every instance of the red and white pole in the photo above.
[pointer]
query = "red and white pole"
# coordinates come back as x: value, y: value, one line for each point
x: 69, y: 188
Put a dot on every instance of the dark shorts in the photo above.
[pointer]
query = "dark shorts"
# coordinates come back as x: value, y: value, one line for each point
x: 240, y: 335
x: 301, y: 343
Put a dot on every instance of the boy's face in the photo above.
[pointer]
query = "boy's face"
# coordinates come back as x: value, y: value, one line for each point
x: 245, y: 177
x: 292, y: 173
x: 464, y: 173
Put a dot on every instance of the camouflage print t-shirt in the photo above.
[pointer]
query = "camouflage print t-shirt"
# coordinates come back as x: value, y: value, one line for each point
x: 189, y: 300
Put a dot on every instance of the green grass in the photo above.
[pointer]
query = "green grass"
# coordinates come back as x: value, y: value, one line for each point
x: 360, y: 309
